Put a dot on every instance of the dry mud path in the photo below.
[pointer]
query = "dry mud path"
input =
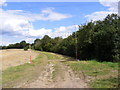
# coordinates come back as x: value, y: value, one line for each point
x: 56, y: 75
x: 14, y: 57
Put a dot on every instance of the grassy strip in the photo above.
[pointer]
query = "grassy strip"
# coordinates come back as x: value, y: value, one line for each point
x: 51, y: 56
x: 56, y: 70
x: 0, y: 79
x: 105, y: 74
x: 55, y: 58
x: 13, y: 76
x: 105, y: 83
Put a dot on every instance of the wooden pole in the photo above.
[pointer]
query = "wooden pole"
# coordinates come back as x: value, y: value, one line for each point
x: 76, y: 43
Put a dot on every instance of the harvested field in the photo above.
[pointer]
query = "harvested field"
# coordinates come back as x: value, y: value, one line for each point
x: 50, y: 70
x: 14, y: 57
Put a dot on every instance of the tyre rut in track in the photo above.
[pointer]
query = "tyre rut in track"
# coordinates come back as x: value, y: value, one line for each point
x: 57, y: 75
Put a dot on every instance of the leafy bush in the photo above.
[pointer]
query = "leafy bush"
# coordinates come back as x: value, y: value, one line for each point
x: 26, y: 48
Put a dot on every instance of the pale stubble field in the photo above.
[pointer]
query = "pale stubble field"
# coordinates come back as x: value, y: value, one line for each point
x: 14, y: 57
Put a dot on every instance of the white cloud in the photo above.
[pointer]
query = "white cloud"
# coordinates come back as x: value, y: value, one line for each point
x: 112, y: 4
x: 2, y: 3
x: 2, y: 43
x: 40, y: 32
x: 47, y: 14
x: 18, y: 22
x: 32, y: 34
x: 63, y: 31
x: 15, y: 24
x: 12, y: 23
x: 100, y: 15
x: 30, y: 40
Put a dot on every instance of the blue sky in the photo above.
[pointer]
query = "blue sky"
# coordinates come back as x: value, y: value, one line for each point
x: 31, y: 20
x: 77, y: 9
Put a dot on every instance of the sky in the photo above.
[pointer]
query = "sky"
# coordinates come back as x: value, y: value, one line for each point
x: 29, y: 20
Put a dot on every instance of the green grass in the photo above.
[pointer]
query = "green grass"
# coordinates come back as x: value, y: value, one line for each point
x: 105, y: 83
x: 103, y: 73
x: 54, y: 59
x: 56, y: 70
x: 0, y: 78
x: 51, y: 56
x: 14, y: 76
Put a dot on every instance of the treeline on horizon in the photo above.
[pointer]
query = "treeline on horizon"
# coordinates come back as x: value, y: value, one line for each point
x: 99, y: 40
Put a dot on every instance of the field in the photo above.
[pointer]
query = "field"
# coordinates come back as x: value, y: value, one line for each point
x: 50, y: 70
x: 14, y: 57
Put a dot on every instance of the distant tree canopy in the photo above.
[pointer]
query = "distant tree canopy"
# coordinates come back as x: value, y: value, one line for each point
x: 47, y: 44
x: 98, y: 40
x: 20, y: 45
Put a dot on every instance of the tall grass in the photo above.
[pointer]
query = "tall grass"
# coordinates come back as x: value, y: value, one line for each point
x: 103, y: 74
x: 17, y: 75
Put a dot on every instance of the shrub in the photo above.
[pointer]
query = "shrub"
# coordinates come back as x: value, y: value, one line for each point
x: 26, y: 48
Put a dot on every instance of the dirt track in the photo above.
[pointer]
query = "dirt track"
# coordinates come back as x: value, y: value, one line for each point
x: 53, y: 74
x: 56, y: 75
x: 14, y: 57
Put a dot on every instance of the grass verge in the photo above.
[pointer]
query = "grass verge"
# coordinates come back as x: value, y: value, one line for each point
x: 54, y: 59
x: 103, y: 74
x: 15, y: 76
x: 51, y: 56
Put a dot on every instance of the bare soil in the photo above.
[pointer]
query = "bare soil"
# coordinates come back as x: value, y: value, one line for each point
x: 54, y: 73
x: 56, y: 77
x: 14, y: 57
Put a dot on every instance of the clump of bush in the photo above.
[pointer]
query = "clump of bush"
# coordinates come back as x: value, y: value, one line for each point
x: 26, y: 48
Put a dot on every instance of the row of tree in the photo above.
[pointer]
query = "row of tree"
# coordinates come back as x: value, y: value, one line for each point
x: 98, y: 40
x: 21, y: 45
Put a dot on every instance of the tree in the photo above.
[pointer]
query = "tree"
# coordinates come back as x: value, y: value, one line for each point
x: 23, y: 44
x: 26, y: 47
x: 37, y: 45
x: 46, y: 43
x: 98, y: 40
x: 106, y: 39
x: 55, y: 44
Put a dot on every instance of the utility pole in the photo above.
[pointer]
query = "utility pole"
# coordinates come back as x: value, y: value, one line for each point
x: 76, y: 43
